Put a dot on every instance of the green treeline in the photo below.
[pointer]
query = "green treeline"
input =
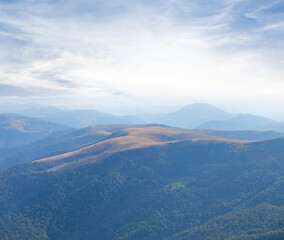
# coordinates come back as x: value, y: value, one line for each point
x: 176, y: 191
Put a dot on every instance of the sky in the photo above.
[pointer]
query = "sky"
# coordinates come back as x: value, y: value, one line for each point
x: 130, y: 55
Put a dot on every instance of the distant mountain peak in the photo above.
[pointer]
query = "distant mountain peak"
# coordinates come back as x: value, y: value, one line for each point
x: 194, y: 114
x: 201, y: 107
x: 199, y: 104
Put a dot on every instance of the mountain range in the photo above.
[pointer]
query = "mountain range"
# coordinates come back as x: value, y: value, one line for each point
x: 206, y: 116
x: 145, y: 182
x: 75, y: 118
x: 194, y: 116
x: 218, y: 177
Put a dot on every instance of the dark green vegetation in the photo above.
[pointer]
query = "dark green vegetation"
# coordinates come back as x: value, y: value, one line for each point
x: 244, y: 135
x: 17, y: 130
x: 148, y: 183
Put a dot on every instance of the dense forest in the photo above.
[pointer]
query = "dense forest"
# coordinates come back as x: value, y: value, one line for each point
x: 186, y: 189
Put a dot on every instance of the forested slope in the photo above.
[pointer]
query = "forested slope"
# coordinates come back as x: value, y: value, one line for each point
x: 185, y: 189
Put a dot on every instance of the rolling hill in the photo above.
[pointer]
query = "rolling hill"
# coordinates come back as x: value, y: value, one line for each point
x: 57, y: 144
x: 244, y: 135
x: 130, y: 138
x: 148, y: 182
x: 79, y: 138
x: 17, y: 130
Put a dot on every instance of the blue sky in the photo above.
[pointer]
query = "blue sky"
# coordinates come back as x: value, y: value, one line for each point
x: 144, y: 53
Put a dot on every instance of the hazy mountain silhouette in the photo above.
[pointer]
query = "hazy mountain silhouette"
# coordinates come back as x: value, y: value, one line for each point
x: 206, y: 116
x: 41, y: 112
x: 76, y: 118
x: 190, y: 116
x: 244, y: 121
x: 86, y: 117
x: 197, y: 115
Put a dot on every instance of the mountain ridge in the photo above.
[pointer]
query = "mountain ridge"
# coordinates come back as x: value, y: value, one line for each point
x: 193, y: 116
x: 73, y: 140
x: 17, y: 129
x: 178, y: 190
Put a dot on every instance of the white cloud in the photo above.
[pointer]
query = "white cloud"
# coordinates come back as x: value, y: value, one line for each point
x: 138, y: 53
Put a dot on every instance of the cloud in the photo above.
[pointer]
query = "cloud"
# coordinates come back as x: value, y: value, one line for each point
x: 158, y: 51
x: 7, y: 91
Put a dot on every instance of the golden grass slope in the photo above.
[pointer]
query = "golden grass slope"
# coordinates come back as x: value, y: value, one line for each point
x: 122, y: 140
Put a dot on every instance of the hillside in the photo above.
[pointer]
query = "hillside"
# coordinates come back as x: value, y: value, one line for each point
x: 129, y: 138
x: 244, y: 135
x: 76, y: 139
x: 148, y: 183
x: 17, y: 130
x: 54, y: 145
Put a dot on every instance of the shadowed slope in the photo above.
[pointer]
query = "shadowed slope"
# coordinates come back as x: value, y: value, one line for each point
x: 17, y: 130
x: 122, y: 140
x: 243, y: 135
x: 58, y: 144
x: 73, y: 140
x: 179, y: 190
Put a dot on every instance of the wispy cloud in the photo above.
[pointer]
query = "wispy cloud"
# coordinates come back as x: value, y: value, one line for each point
x: 23, y: 92
x: 189, y: 50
